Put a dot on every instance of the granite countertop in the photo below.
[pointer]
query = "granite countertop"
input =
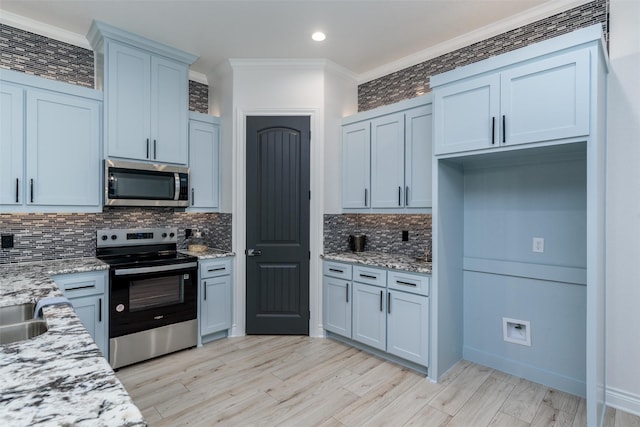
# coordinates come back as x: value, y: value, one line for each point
x: 378, y: 259
x: 59, y: 377
x: 209, y: 253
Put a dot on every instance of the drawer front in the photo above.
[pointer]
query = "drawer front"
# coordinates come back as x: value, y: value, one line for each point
x: 337, y: 269
x: 370, y: 276
x: 215, y: 268
x: 82, y: 284
x: 408, y: 282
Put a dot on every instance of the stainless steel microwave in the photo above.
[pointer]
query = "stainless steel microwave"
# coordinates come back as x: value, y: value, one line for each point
x: 145, y: 184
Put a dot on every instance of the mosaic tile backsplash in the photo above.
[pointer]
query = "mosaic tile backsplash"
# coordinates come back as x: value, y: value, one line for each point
x: 414, y: 81
x: 383, y: 231
x: 39, y: 237
x: 45, y: 57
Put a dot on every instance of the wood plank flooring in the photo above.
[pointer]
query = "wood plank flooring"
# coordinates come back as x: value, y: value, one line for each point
x: 301, y: 381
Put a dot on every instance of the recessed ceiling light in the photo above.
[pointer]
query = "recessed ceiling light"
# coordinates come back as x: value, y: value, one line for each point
x: 318, y: 36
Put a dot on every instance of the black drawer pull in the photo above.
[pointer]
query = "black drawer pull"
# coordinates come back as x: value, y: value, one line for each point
x: 400, y: 282
x: 216, y: 269
x: 367, y: 276
x: 335, y: 270
x: 80, y: 287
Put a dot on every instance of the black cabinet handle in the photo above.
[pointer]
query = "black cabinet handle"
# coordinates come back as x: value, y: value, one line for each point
x: 205, y: 291
x: 31, y: 189
x: 406, y: 195
x: 155, y: 149
x: 389, y: 303
x: 147, y: 148
x: 100, y: 310
x: 335, y: 270
x: 216, y: 269
x: 367, y: 276
x: 493, y: 130
x: 193, y: 196
x: 347, y: 291
x: 504, y: 129
x: 399, y: 193
x: 365, y: 197
x: 17, y: 189
x: 400, y: 282
x: 380, y: 300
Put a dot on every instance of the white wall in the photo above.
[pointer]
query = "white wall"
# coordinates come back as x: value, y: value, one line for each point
x: 279, y: 87
x: 623, y: 208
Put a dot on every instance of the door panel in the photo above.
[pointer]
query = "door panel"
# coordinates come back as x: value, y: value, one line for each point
x: 278, y: 225
x: 387, y: 161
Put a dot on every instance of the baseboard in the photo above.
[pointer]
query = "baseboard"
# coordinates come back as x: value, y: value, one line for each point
x: 532, y: 373
x: 622, y: 400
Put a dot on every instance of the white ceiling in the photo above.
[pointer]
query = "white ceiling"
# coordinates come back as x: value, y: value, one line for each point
x: 369, y: 38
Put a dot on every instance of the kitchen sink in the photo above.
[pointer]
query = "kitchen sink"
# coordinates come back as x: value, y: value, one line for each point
x: 22, y: 331
x: 16, y: 313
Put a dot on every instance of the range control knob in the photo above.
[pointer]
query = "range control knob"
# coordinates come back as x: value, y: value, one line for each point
x: 171, y: 235
x: 114, y: 237
x: 104, y: 237
x: 164, y: 235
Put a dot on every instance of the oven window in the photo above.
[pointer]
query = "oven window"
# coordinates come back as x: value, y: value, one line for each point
x: 156, y: 292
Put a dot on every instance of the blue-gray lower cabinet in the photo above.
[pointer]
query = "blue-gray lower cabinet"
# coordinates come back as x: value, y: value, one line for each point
x: 215, y: 297
x: 386, y: 310
x: 86, y: 292
x: 369, y: 316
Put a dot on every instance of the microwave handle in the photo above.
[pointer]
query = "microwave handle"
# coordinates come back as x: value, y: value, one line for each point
x: 176, y: 182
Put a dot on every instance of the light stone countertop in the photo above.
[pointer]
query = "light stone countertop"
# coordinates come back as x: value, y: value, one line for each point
x: 378, y: 259
x: 210, y: 253
x: 60, y: 377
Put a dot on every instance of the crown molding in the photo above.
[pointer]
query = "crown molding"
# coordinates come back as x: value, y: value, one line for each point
x: 38, y: 27
x: 529, y: 16
x: 198, y: 77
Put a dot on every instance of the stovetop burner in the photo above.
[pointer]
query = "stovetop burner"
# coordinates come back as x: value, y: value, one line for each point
x: 140, y: 247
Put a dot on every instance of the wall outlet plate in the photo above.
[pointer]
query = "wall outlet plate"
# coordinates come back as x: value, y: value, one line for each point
x: 516, y: 331
x: 7, y: 241
x: 538, y: 244
x: 405, y: 235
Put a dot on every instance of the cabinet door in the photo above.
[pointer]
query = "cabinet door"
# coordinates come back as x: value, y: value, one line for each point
x: 169, y: 110
x: 127, y: 100
x: 356, y: 165
x: 92, y: 313
x: 11, y: 144
x: 387, y: 161
x: 337, y: 306
x: 369, y: 316
x: 63, y: 143
x: 466, y: 115
x: 215, y: 300
x: 408, y: 326
x: 204, y: 154
x: 546, y: 100
x: 418, y: 157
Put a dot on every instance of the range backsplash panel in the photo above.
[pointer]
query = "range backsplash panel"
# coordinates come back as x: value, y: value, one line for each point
x: 39, y: 237
x: 383, y: 231
x: 414, y: 81
x: 45, y: 57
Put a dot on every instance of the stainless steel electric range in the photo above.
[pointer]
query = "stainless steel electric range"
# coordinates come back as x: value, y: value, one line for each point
x: 152, y: 293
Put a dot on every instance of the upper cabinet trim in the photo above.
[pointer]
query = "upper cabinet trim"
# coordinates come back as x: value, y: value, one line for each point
x: 100, y: 31
x: 571, y: 40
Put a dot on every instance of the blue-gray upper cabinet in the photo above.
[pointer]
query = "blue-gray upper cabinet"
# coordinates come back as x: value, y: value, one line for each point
x: 204, y: 162
x: 146, y: 88
x: 543, y: 99
x: 387, y: 158
x: 42, y: 131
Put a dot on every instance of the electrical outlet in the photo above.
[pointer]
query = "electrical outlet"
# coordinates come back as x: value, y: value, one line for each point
x: 405, y: 235
x: 187, y: 233
x: 7, y: 241
x: 538, y: 244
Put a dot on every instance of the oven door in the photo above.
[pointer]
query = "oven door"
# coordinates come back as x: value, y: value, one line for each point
x: 143, y: 298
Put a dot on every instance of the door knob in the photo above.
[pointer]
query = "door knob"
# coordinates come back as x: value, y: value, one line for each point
x: 254, y: 252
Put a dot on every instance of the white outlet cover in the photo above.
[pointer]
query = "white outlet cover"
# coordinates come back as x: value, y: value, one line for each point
x: 538, y: 244
x: 516, y: 331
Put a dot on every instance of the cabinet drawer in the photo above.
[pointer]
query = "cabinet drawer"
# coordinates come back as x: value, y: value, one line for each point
x: 336, y: 269
x: 370, y: 276
x: 81, y: 284
x: 408, y: 282
x: 215, y: 268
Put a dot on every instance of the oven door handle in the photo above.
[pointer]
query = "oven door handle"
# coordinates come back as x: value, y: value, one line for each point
x: 158, y: 268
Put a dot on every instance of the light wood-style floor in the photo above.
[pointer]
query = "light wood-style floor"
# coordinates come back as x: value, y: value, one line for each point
x: 301, y: 381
